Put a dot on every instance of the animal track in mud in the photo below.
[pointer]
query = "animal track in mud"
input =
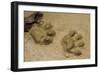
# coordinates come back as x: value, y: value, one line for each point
x: 43, y: 33
x: 73, y: 43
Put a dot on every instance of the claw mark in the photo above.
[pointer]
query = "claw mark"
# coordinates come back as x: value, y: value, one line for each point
x: 72, y: 33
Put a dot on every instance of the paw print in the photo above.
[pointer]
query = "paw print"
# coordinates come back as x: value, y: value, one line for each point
x: 42, y: 33
x: 73, y: 43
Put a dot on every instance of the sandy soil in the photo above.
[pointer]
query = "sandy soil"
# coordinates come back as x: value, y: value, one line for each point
x: 62, y: 24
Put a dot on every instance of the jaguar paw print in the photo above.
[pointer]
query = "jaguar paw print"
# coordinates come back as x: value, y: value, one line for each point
x: 73, y: 43
x: 43, y: 33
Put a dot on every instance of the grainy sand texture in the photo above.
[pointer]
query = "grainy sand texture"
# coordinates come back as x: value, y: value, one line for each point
x: 62, y: 23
